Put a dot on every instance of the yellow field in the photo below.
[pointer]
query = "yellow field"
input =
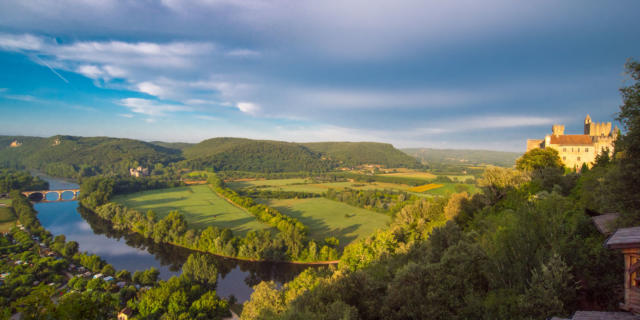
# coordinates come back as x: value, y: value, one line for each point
x: 411, y: 174
x: 426, y: 187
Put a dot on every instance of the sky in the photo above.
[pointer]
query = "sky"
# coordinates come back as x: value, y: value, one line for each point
x: 441, y: 74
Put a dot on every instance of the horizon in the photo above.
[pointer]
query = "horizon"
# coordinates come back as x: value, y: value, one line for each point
x: 460, y: 75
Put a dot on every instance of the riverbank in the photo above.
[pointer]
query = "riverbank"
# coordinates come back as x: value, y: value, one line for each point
x: 140, y: 233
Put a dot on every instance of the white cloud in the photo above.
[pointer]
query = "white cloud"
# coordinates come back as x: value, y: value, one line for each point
x: 126, y: 115
x: 24, y: 42
x: 243, y: 53
x: 248, y: 107
x: 151, y: 107
x: 20, y: 97
x: 152, y: 89
x: 90, y: 71
x: 205, y: 117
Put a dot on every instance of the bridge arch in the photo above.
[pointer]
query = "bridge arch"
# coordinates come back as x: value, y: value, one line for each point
x: 41, y: 195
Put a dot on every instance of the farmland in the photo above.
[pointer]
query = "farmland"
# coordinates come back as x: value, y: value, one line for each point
x: 200, y: 206
x: 306, y: 185
x: 328, y: 218
x: 7, y: 219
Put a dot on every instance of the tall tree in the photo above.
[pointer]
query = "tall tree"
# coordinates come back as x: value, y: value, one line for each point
x: 628, y: 146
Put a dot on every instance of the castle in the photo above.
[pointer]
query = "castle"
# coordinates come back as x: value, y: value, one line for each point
x: 578, y: 149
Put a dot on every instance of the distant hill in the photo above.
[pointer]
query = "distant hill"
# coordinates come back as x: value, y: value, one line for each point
x: 66, y: 156
x: 173, y: 145
x: 450, y: 157
x: 359, y: 153
x: 69, y: 156
x: 253, y: 155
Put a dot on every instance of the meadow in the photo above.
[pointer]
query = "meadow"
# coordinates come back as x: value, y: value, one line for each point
x: 200, y: 205
x: 7, y: 219
x: 306, y: 185
x: 328, y: 218
x: 407, y: 173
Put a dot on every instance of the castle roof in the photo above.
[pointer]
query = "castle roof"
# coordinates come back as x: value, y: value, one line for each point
x: 571, y: 139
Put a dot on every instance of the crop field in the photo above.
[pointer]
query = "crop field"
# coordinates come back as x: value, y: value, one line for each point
x: 411, y: 174
x: 461, y: 178
x: 449, y: 188
x: 302, y: 185
x: 328, y: 218
x: 201, y: 206
x: 7, y: 219
x: 271, y: 183
x: 426, y: 187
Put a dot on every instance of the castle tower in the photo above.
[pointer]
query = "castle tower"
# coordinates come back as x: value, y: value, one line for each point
x: 587, y: 125
x: 557, y: 129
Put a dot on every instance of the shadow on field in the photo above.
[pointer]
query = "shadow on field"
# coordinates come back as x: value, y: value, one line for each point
x: 155, y: 202
x: 319, y: 230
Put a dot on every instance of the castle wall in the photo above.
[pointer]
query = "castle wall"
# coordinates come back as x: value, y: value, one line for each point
x: 575, y: 156
x: 534, y: 144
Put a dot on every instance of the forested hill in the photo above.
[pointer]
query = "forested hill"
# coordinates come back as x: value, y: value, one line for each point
x: 359, y: 153
x: 68, y: 156
x: 253, y: 155
x: 466, y: 157
x: 173, y: 145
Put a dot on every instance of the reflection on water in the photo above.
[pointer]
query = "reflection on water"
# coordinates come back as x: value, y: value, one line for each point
x: 132, y: 252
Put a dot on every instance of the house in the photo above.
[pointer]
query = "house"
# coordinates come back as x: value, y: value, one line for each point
x: 627, y: 240
x: 125, y: 314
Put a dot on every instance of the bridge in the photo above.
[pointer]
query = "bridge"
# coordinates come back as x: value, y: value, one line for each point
x: 41, y: 195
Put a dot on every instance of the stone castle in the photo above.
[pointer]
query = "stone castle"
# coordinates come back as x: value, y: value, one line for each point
x: 578, y: 149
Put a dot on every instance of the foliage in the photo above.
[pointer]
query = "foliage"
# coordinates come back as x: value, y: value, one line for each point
x: 537, y: 159
x: 20, y: 180
x: 351, y: 154
x: 201, y: 268
x: 74, y: 157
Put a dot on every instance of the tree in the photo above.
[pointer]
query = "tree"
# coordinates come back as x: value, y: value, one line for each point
x: 201, y: 268
x: 628, y: 146
x: 536, y: 159
x: 266, y: 301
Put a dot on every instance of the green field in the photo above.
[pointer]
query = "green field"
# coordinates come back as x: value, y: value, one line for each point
x: 328, y: 218
x: 7, y: 219
x: 199, y: 204
x: 302, y: 185
x: 5, y: 202
x: 449, y: 188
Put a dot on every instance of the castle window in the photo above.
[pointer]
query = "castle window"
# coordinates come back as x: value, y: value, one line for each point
x: 564, y: 158
x: 586, y: 149
x: 578, y: 158
x: 578, y: 149
x: 564, y: 149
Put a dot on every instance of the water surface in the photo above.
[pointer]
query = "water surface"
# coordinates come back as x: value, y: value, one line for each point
x: 132, y: 252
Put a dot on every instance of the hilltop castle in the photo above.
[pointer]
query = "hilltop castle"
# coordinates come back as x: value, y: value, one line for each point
x: 577, y: 149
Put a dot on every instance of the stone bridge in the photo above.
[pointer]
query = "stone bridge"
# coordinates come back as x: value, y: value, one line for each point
x: 41, y: 196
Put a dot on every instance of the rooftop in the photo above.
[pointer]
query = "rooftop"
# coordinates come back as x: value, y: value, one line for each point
x: 625, y: 238
x: 571, y: 139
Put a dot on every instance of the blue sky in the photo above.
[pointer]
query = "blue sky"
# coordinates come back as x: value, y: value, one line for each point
x: 445, y: 74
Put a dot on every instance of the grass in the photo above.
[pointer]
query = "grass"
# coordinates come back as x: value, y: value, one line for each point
x: 328, y: 218
x: 411, y: 174
x: 7, y: 219
x: 449, y: 188
x: 200, y: 206
x: 6, y: 202
x: 426, y: 187
x: 306, y: 185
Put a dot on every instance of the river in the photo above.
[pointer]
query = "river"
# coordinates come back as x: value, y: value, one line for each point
x: 132, y: 252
